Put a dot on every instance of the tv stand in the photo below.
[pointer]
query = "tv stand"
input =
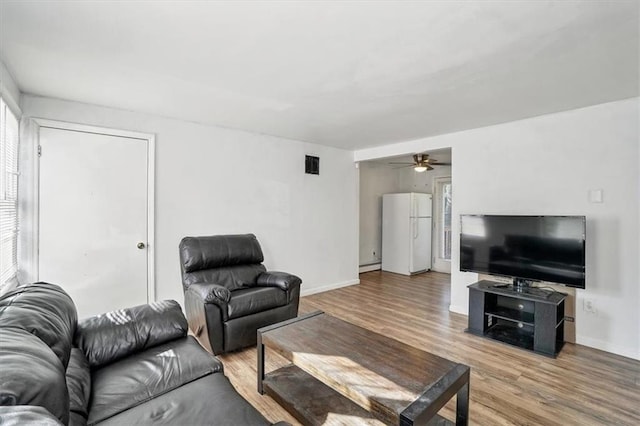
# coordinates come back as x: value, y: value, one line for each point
x: 524, y: 316
x: 523, y: 287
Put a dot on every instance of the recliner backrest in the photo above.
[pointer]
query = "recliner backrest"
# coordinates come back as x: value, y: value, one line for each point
x: 232, y: 261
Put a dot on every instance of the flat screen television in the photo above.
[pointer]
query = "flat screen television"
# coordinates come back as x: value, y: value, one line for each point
x: 537, y: 248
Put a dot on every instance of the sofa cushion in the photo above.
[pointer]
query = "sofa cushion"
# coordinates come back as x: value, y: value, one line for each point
x: 210, y: 400
x: 31, y: 373
x: 217, y: 251
x: 146, y: 375
x: 79, y: 385
x: 257, y: 299
x: 109, y: 337
x: 45, y: 311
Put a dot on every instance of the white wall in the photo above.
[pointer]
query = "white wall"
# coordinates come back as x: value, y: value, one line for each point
x: 9, y: 89
x: 410, y: 181
x: 547, y: 165
x: 211, y: 180
x: 375, y: 180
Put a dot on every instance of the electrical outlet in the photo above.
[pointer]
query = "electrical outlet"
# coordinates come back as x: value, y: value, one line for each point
x: 589, y: 306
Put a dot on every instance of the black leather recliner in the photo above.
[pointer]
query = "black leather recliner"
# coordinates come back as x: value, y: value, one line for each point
x: 228, y: 292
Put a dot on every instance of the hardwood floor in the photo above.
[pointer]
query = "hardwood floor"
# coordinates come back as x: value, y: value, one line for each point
x: 509, y: 386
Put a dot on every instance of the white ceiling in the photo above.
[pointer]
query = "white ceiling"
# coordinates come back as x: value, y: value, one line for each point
x: 345, y: 74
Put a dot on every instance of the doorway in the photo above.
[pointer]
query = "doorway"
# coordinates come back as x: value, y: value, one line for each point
x: 397, y: 174
x: 442, y: 224
x: 95, y: 221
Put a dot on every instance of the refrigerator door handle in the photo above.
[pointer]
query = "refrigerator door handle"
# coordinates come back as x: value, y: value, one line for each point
x: 415, y: 229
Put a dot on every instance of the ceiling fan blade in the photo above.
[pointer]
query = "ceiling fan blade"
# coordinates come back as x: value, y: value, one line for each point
x: 440, y: 164
x: 411, y: 164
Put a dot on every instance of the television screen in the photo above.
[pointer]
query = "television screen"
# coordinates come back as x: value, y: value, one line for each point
x: 539, y: 248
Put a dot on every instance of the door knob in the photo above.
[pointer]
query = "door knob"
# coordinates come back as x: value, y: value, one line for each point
x: 140, y: 245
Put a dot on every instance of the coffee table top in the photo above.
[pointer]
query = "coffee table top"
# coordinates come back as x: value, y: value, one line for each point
x: 379, y: 373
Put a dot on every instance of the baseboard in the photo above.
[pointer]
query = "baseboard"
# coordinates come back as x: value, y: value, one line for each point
x: 323, y: 288
x: 607, y: 347
x: 369, y: 268
x: 459, y: 309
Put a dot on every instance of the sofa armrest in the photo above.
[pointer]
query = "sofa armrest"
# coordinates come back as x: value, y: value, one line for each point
x: 109, y: 337
x: 211, y: 293
x: 281, y: 280
x: 16, y: 415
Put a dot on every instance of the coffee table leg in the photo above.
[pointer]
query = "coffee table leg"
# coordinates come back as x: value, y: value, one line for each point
x: 260, y: 349
x: 462, y: 406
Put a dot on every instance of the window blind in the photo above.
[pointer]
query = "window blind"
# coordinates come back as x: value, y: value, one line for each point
x: 8, y: 195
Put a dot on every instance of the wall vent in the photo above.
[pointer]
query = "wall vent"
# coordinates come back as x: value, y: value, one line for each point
x: 312, y: 165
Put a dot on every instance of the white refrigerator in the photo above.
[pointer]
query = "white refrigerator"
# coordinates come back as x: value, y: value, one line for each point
x: 406, y: 233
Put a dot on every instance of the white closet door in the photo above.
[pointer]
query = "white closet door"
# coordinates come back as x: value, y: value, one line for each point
x: 93, y: 218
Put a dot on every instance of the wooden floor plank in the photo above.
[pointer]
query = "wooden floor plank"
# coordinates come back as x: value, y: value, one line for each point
x: 509, y: 386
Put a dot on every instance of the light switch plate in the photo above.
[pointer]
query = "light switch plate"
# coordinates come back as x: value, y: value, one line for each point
x: 595, y: 195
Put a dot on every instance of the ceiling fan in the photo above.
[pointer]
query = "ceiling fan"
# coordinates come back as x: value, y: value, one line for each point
x: 422, y: 163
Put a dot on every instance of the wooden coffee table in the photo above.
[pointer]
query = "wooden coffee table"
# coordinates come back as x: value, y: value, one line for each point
x: 338, y: 367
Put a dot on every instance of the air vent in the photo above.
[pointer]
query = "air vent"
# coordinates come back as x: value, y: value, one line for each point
x: 312, y: 165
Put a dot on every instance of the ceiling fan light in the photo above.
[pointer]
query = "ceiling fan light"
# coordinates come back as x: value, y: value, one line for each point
x: 420, y: 169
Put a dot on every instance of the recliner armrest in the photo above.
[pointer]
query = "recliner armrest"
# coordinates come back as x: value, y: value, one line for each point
x: 211, y: 293
x: 282, y: 280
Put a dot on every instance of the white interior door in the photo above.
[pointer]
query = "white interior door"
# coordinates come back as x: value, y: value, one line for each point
x: 93, y: 221
x: 442, y: 225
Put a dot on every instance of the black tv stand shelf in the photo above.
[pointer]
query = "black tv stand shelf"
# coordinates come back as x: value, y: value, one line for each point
x: 531, y: 319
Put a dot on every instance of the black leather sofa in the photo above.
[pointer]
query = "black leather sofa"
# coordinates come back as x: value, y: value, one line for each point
x: 131, y: 366
x: 228, y: 293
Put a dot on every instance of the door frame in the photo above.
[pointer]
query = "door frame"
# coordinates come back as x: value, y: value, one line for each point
x: 436, y: 236
x: 35, y: 199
